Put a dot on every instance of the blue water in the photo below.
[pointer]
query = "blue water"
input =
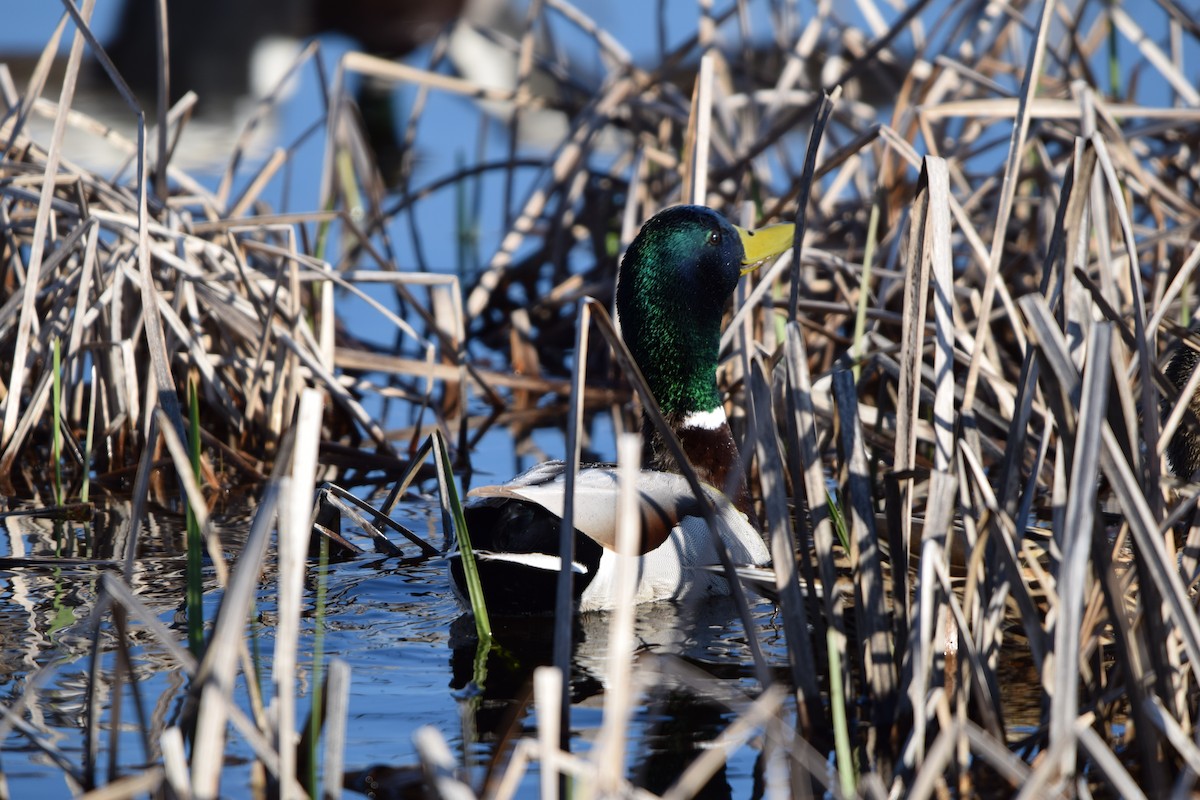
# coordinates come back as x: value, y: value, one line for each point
x: 410, y: 648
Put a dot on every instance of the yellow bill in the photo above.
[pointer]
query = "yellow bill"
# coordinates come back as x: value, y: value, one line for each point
x: 765, y: 243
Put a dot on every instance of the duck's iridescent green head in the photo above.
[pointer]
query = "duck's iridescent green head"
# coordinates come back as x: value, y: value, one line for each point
x: 671, y: 292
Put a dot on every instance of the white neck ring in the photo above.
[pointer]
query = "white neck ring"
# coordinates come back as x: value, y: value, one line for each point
x: 706, y: 420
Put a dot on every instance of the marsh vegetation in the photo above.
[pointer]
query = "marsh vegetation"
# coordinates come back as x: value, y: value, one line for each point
x: 951, y: 392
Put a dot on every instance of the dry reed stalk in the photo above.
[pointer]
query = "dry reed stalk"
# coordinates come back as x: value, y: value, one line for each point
x: 878, y: 670
x: 564, y: 598
x: 438, y: 765
x: 17, y: 375
x: 783, y: 547
x: 698, y: 773
x: 622, y: 688
x: 1078, y: 524
x: 295, y: 530
x: 356, y: 509
x: 548, y: 693
x: 215, y: 675
x: 337, y: 703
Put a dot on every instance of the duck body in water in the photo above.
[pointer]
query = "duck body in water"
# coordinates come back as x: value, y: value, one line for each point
x: 672, y: 288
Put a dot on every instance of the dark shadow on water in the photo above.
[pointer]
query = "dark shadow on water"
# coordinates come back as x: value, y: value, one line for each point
x: 528, y: 643
x: 672, y: 723
x: 684, y: 723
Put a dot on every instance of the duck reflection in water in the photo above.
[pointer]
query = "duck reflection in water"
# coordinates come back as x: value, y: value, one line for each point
x: 673, y: 721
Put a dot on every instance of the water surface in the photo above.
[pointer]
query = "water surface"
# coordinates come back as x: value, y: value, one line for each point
x: 394, y: 620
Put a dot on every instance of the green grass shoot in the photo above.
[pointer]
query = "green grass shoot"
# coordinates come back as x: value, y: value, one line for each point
x: 55, y: 427
x: 470, y: 571
x: 860, y: 318
x: 841, y: 730
x: 195, y: 543
x: 839, y: 521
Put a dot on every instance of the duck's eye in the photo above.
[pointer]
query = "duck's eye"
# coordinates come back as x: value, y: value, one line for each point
x: 714, y: 238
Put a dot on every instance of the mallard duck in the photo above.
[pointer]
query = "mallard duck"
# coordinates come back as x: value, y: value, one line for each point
x: 672, y: 288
